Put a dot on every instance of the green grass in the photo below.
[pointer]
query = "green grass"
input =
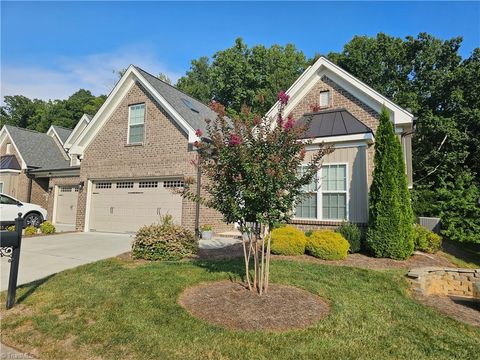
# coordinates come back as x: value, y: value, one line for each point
x: 117, y: 309
x: 465, y: 255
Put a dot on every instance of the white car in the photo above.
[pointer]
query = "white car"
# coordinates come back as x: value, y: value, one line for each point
x: 33, y: 215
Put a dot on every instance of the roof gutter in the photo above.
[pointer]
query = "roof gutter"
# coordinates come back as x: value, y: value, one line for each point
x: 68, y: 171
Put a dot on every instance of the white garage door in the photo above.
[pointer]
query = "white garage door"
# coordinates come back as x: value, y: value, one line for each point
x: 127, y: 205
x: 66, y: 207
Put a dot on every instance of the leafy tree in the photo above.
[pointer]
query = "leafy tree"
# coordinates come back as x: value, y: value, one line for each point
x: 243, y: 75
x: 197, y: 81
x: 390, y: 214
x: 39, y: 115
x: 164, y: 78
x: 428, y: 76
x: 251, y: 167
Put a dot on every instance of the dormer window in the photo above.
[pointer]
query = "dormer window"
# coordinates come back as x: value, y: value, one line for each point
x: 136, y: 123
x: 325, y: 99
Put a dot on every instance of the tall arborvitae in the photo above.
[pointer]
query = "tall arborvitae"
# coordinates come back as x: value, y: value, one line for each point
x: 390, y: 212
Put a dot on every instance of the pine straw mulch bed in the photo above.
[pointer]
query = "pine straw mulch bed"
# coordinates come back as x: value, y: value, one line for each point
x: 463, y: 309
x: 231, y: 305
x: 354, y: 260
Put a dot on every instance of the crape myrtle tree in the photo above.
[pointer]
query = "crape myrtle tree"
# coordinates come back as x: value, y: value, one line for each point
x: 390, y: 212
x: 251, y: 165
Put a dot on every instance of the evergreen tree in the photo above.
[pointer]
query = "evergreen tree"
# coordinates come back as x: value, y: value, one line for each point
x: 390, y: 213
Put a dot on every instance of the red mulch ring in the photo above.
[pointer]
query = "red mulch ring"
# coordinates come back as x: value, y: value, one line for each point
x: 231, y: 305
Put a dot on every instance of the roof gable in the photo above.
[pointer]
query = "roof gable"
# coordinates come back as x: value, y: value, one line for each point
x: 60, y: 132
x: 77, y: 130
x: 37, y: 150
x: 348, y: 82
x: 170, y: 98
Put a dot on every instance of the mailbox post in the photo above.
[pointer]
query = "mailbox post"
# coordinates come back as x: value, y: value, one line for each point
x: 10, y: 242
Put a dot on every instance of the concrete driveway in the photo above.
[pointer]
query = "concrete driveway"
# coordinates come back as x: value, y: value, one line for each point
x: 46, y: 255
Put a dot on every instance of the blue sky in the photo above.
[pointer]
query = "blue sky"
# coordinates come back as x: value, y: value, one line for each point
x: 51, y: 49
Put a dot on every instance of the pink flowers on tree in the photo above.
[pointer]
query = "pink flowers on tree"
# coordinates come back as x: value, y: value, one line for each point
x: 283, y: 97
x: 234, y: 140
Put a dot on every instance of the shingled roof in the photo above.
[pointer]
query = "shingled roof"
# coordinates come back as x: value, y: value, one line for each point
x: 332, y: 122
x: 37, y: 149
x: 190, y: 109
x: 62, y: 132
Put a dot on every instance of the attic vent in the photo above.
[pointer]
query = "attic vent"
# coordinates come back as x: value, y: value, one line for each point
x: 189, y: 104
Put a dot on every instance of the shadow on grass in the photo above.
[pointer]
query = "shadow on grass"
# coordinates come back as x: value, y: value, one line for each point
x: 234, y: 267
x: 467, y: 252
x: 31, y: 288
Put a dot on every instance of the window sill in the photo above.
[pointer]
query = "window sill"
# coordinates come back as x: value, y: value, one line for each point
x: 135, y: 144
x: 318, y: 222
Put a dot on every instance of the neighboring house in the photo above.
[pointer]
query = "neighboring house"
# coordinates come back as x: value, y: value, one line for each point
x: 135, y: 150
x: 344, y: 113
x: 35, y: 167
x: 118, y: 170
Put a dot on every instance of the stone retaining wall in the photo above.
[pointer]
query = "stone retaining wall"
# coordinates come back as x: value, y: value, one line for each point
x: 446, y: 281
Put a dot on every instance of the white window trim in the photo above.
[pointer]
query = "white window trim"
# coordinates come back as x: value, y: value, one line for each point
x: 346, y: 191
x: 320, y: 196
x: 330, y: 102
x: 129, y: 125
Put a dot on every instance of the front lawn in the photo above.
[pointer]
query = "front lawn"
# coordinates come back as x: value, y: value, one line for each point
x: 121, y: 309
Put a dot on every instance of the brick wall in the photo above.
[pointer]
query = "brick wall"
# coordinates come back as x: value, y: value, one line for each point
x: 165, y: 152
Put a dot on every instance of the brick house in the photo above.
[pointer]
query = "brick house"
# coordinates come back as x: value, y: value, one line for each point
x: 36, y: 167
x: 119, y: 167
x: 344, y: 113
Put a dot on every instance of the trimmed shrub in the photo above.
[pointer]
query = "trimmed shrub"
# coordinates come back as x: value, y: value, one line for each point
x: 390, y: 227
x: 327, y: 245
x: 164, y: 241
x: 47, y: 228
x: 30, y: 230
x: 352, y: 233
x: 426, y: 240
x: 288, y: 240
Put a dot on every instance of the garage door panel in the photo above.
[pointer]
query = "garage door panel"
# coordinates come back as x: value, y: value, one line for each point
x: 66, y: 206
x: 125, y: 206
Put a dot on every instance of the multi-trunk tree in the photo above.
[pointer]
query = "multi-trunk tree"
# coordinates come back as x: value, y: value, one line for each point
x: 251, y: 167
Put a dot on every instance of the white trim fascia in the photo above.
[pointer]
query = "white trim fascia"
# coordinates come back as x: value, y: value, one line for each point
x: 10, y: 171
x: 88, y: 205
x: 3, y: 134
x: 109, y: 106
x: 55, y: 203
x: 52, y: 129
x: 347, y: 81
x: 366, y: 137
x: 73, y: 135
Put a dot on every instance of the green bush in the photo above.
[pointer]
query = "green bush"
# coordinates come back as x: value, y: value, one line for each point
x: 288, y: 240
x: 308, y: 233
x: 11, y: 228
x: 164, y: 241
x: 327, y: 245
x: 426, y: 240
x: 390, y: 227
x: 30, y: 230
x: 352, y: 233
x: 47, y: 228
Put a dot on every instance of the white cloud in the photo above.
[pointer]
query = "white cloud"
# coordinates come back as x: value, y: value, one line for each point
x: 94, y: 72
